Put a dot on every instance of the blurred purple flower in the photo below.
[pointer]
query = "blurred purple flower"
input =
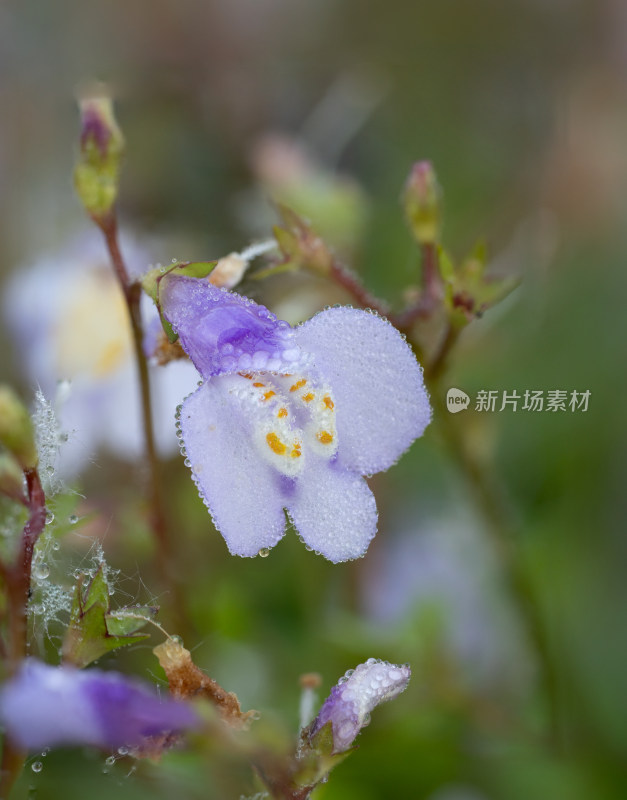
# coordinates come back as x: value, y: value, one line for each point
x: 442, y: 571
x: 44, y: 706
x: 292, y: 417
x: 71, y: 325
x: 352, y: 700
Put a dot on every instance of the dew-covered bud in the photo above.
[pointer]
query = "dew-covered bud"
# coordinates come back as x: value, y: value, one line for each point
x: 96, y: 174
x: 422, y: 203
x: 352, y: 700
x: 44, y: 706
x: 16, y: 429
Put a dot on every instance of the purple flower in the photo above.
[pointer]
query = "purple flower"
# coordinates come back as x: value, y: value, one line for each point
x: 291, y: 418
x: 44, y: 706
x: 350, y: 703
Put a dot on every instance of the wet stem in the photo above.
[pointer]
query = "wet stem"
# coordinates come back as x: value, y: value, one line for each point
x: 158, y: 523
x: 17, y: 579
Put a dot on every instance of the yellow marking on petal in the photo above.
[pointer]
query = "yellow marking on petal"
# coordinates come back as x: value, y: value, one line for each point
x: 246, y: 375
x: 282, y: 412
x: 324, y: 437
x: 110, y: 358
x: 268, y: 395
x: 257, y: 384
x: 275, y: 444
x: 308, y: 397
x: 295, y: 452
x: 298, y: 385
x: 328, y: 402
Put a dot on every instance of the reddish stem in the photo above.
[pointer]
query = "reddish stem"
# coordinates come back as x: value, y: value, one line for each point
x: 349, y: 281
x: 132, y: 295
x: 17, y: 577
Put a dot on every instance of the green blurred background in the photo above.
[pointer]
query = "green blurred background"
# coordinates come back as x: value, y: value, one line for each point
x: 521, y: 106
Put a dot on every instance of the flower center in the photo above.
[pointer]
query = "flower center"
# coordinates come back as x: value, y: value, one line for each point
x: 291, y: 415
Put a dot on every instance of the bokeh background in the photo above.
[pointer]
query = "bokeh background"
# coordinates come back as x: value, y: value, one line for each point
x: 227, y: 104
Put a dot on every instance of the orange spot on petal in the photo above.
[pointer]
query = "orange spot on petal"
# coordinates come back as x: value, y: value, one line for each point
x: 282, y: 412
x: 308, y: 397
x: 275, y: 444
x: 328, y: 402
x: 298, y: 385
x: 324, y: 437
x: 268, y: 395
x: 257, y: 384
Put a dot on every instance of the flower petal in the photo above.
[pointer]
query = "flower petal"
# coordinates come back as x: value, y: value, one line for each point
x: 223, y: 332
x: 243, y: 492
x: 333, y: 510
x: 44, y: 706
x: 358, y: 693
x: 382, y: 403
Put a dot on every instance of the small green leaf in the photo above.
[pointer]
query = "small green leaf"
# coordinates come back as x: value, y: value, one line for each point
x: 128, y: 620
x: 88, y: 636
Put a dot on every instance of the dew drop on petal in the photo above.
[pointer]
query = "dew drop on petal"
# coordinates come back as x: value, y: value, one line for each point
x: 37, y: 766
x: 72, y: 519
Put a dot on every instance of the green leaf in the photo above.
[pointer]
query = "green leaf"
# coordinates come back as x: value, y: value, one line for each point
x: 89, y: 636
x: 127, y: 620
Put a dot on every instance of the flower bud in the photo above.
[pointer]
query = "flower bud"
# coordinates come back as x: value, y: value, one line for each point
x: 16, y: 429
x: 96, y: 174
x: 351, y: 701
x: 11, y: 478
x: 422, y: 203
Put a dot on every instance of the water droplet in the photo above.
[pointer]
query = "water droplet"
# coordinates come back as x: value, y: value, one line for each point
x: 110, y: 761
x: 37, y: 766
x: 56, y: 545
x: 264, y: 552
x: 41, y: 571
x: 72, y: 519
x: 49, y: 517
x: 123, y: 751
x: 177, y: 639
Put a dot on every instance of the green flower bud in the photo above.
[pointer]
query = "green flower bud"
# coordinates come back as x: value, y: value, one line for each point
x: 96, y: 174
x: 422, y: 203
x: 11, y: 478
x: 16, y: 429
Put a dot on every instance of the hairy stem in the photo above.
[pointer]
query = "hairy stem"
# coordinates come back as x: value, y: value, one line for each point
x: 17, y: 579
x: 349, y: 281
x: 159, y: 527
